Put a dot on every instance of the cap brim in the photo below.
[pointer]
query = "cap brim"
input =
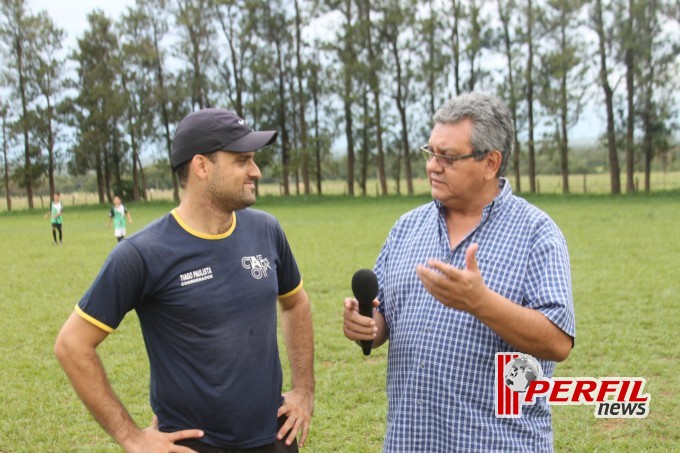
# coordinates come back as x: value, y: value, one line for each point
x: 252, y: 141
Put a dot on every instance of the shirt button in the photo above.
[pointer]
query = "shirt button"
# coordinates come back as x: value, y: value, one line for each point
x: 422, y: 364
x: 419, y: 402
x: 428, y: 330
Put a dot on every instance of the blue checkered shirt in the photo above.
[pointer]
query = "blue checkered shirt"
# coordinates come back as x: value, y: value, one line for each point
x: 441, y: 375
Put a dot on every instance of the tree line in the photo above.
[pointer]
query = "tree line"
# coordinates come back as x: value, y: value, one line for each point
x: 355, y: 81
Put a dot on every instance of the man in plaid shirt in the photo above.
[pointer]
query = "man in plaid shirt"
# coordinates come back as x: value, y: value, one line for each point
x: 475, y: 272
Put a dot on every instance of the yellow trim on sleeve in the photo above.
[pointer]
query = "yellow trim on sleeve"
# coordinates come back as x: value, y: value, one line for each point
x: 93, y: 321
x: 210, y: 237
x: 293, y: 292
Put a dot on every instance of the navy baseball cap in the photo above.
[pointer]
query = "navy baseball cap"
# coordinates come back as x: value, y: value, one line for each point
x: 209, y: 130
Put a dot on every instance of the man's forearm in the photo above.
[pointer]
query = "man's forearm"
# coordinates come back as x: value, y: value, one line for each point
x: 88, y: 378
x: 526, y: 329
x: 296, y: 323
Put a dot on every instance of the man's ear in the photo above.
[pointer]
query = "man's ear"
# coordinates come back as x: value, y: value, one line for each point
x: 198, y: 167
x: 493, y: 163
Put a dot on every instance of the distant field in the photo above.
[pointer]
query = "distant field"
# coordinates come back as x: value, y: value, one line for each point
x: 546, y: 184
x: 625, y: 256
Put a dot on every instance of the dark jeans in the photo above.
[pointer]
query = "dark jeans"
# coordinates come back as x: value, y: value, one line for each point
x: 277, y: 447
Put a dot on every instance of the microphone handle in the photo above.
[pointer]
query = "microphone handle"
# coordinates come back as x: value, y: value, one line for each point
x: 366, y: 309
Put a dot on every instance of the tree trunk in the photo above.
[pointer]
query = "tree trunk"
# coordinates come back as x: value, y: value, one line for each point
x: 135, y: 181
x: 375, y: 90
x: 430, y: 58
x: 564, y: 110
x: 455, y: 43
x: 4, y: 152
x: 100, y: 176
x: 648, y: 148
x: 235, y: 67
x: 302, y: 103
x: 165, y: 116
x: 317, y: 143
x: 295, y: 150
x: 132, y: 131
x: 50, y: 147
x: 285, y: 153
x: 363, y: 177
x: 401, y: 107
x: 117, y: 158
x: 141, y: 172
x: 564, y: 152
x: 614, y: 170
x: 505, y: 20
x: 630, y: 93
x: 107, y: 173
x: 348, y: 135
x: 398, y: 171
x: 530, y: 98
x: 474, y: 46
x: 349, y: 58
x: 28, y: 169
x: 649, y: 114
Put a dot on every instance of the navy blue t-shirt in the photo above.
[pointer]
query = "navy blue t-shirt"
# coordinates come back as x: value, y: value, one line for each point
x: 207, y: 309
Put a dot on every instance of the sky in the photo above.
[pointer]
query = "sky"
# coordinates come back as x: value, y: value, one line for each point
x: 71, y: 15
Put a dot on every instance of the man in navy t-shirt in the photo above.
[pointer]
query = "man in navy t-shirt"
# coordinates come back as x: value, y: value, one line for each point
x: 204, y: 281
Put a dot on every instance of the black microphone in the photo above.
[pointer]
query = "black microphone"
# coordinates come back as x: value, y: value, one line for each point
x: 365, y: 288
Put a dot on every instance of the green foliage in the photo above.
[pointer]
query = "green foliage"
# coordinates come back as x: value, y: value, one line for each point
x: 624, y: 268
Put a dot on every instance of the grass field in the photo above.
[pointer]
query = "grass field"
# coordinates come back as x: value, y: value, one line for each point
x: 625, y: 256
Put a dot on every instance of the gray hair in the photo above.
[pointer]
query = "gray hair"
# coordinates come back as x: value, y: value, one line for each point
x: 492, y: 127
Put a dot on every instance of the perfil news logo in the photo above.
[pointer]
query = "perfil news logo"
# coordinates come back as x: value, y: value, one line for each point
x: 519, y: 380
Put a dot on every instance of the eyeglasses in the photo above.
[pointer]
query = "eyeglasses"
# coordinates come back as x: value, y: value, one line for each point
x: 442, y: 159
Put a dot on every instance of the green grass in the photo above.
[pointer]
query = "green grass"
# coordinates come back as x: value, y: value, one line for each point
x: 625, y: 256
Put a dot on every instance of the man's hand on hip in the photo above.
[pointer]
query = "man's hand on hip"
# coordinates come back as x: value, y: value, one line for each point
x: 298, y: 406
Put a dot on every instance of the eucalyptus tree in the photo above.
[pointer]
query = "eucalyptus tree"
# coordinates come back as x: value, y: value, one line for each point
x: 479, y: 40
x: 529, y: 91
x: 397, y: 20
x: 317, y: 89
x: 658, y: 50
x: 562, y: 73
x: 99, y: 103
x: 434, y: 56
x: 344, y: 46
x: 17, y: 35
x: 194, y: 19
x: 138, y: 84
x: 278, y: 36
x: 237, y: 22
x: 167, y: 98
x: 375, y: 67
x: 511, y: 42
x: 49, y: 75
x: 302, y: 99
x: 457, y: 17
x: 604, y: 42
x: 629, y: 43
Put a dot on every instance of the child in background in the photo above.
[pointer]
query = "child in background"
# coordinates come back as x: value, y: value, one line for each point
x: 117, y: 216
x: 55, y: 217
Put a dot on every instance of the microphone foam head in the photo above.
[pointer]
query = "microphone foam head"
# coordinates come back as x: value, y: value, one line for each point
x: 365, y: 285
